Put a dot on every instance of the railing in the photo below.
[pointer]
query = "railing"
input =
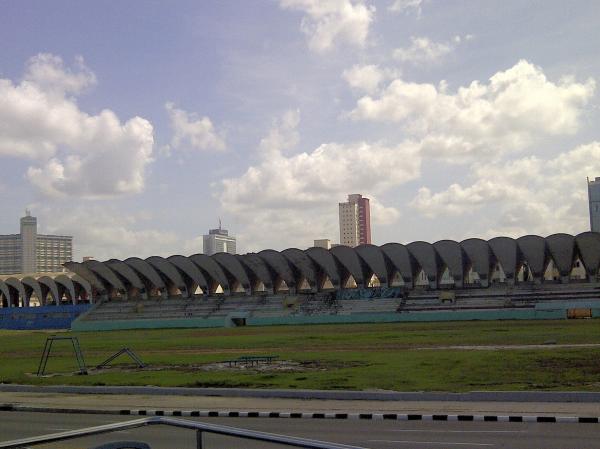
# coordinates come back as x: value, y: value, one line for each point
x: 199, y: 427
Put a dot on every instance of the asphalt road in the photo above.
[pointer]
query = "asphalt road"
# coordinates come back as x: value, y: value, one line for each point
x: 369, y: 434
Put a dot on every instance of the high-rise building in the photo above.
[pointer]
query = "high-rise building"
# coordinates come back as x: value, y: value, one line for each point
x: 218, y: 241
x: 594, y: 200
x: 30, y: 252
x: 355, y: 221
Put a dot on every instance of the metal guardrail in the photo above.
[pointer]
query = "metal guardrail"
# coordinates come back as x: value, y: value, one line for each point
x: 199, y: 427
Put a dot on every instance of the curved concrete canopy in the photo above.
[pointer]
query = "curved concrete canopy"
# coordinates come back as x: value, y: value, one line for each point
x: 425, y: 255
x: 257, y: 268
x: 34, y: 287
x: 325, y: 261
x: 302, y: 265
x: 588, y: 244
x: 126, y: 272
x: 16, y: 284
x: 67, y: 284
x: 79, y: 269
x: 148, y: 273
x: 169, y: 272
x: 373, y: 258
x: 478, y: 253
x: 187, y: 267
x: 561, y: 248
x: 212, y: 271
x: 399, y: 260
x: 506, y: 253
x: 81, y: 284
x: 105, y: 273
x: 234, y: 269
x: 451, y: 256
x: 533, y: 249
x: 348, y: 259
x: 4, y: 291
x: 279, y: 265
x: 49, y: 286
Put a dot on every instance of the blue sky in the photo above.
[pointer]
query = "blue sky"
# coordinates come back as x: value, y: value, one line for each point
x: 134, y: 125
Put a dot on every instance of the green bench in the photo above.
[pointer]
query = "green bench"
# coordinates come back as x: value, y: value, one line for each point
x: 252, y: 359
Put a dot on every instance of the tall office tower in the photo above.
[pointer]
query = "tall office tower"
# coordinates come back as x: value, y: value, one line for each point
x: 218, y: 241
x: 594, y: 200
x: 30, y: 252
x: 355, y: 221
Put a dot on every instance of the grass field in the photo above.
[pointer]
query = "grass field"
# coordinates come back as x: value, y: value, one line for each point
x: 399, y: 356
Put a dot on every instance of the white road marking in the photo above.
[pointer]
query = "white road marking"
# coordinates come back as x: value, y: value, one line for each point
x: 446, y: 443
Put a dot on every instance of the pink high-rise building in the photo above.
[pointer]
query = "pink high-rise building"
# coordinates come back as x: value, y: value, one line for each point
x: 355, y: 221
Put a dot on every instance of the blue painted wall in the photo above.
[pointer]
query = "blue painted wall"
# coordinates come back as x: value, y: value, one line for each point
x: 48, y: 317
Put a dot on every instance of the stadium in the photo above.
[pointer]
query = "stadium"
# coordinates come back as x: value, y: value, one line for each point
x: 530, y: 277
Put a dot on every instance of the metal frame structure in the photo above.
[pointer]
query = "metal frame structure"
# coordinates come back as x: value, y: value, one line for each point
x: 199, y: 427
x: 48, y: 348
x: 127, y: 351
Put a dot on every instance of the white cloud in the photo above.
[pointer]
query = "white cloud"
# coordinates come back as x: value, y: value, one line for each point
x: 367, y: 77
x: 422, y: 50
x: 405, y: 6
x: 289, y: 198
x: 105, y: 232
x: 527, y: 195
x: 330, y: 22
x: 192, y: 132
x: 74, y: 153
x: 515, y: 109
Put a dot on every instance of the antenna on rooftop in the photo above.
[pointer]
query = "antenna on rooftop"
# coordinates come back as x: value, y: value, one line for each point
x: 27, y: 213
x: 219, y: 223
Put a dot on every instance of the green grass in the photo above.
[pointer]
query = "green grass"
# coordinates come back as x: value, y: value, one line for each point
x: 398, y: 356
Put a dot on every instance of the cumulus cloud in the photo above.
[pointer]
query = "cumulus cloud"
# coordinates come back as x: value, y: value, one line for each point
x: 422, y: 50
x: 285, y: 198
x: 192, y: 132
x: 367, y: 78
x: 482, y: 120
x: 73, y: 153
x: 327, y: 23
x: 406, y: 6
x: 528, y: 195
x: 105, y: 232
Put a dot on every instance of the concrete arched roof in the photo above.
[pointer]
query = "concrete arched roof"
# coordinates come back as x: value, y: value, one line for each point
x: 67, y: 284
x: 588, y: 244
x: 4, y: 290
x: 104, y: 273
x: 506, y: 253
x: 186, y: 266
x: 168, y: 271
x: 257, y: 268
x: 325, y: 261
x: 399, y: 259
x: 451, y: 256
x: 79, y: 269
x: 212, y: 270
x: 81, y: 283
x: 349, y: 260
x: 18, y: 286
x: 126, y: 272
x: 302, y: 265
x: 34, y: 286
x: 562, y: 250
x: 372, y: 256
x: 533, y: 249
x: 478, y: 253
x: 51, y: 286
x: 425, y: 255
x: 234, y: 269
x: 279, y: 265
x: 147, y: 272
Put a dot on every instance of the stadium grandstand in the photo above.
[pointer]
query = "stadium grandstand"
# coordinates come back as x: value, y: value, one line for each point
x: 529, y: 277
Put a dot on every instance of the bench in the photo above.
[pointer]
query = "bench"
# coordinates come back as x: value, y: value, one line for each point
x: 252, y: 359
